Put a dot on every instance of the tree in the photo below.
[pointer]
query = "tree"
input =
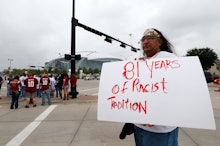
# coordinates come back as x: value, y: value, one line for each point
x: 6, y: 71
x: 56, y: 71
x: 96, y: 70
x: 206, y: 56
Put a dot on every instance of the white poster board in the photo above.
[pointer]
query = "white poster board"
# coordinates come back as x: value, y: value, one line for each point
x: 165, y: 91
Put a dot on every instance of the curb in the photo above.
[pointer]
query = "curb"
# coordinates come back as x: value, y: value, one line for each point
x: 80, y: 99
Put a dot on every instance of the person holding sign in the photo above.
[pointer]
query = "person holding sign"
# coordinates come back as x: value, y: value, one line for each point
x: 155, y: 45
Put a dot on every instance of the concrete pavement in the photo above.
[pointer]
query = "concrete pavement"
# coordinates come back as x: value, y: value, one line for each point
x: 74, y: 123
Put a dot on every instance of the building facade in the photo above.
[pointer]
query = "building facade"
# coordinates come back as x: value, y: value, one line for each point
x: 89, y: 60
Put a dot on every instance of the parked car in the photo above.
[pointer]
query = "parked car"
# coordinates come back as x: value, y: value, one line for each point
x: 89, y: 77
x: 209, y: 77
x: 98, y: 78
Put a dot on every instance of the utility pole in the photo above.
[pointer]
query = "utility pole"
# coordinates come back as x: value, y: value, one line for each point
x: 10, y: 60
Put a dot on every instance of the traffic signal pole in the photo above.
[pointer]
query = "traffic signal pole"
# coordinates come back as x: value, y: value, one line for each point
x: 73, y: 40
x: 73, y: 55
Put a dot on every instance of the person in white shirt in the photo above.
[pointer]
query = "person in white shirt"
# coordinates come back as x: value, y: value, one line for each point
x: 23, y: 87
x: 38, y: 86
x: 52, y: 85
x: 155, y: 45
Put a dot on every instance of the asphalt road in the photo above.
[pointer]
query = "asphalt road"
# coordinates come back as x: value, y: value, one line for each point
x: 74, y: 123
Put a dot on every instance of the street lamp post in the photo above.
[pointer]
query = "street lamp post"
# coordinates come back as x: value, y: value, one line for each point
x: 10, y: 60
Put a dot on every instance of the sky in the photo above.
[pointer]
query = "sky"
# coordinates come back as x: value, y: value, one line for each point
x: 33, y: 32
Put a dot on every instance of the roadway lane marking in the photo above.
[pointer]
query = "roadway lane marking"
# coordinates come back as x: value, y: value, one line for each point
x: 87, y: 89
x: 18, y: 139
x: 95, y: 94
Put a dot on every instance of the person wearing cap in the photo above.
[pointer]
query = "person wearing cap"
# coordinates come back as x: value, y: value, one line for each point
x: 45, y: 88
x: 31, y: 89
x: 155, y: 45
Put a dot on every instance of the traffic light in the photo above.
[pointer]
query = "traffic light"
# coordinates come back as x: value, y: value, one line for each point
x: 133, y: 49
x: 77, y: 57
x: 32, y: 66
x: 107, y: 39
x: 67, y: 56
x: 74, y: 57
x: 123, y: 45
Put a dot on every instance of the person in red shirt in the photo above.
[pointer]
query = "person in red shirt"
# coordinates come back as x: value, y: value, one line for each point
x: 31, y: 89
x: 66, y: 86
x: 14, y: 88
x: 217, y: 81
x: 73, y: 82
x: 45, y: 88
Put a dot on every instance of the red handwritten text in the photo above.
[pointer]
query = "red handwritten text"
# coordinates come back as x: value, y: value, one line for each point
x: 130, y: 71
x: 161, y: 64
x: 127, y: 104
x: 153, y: 87
x: 136, y: 86
x: 134, y: 83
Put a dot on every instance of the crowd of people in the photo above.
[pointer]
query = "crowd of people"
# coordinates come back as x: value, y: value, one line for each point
x: 43, y: 86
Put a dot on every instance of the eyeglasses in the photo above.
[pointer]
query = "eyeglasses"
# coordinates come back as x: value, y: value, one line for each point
x: 149, y: 38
